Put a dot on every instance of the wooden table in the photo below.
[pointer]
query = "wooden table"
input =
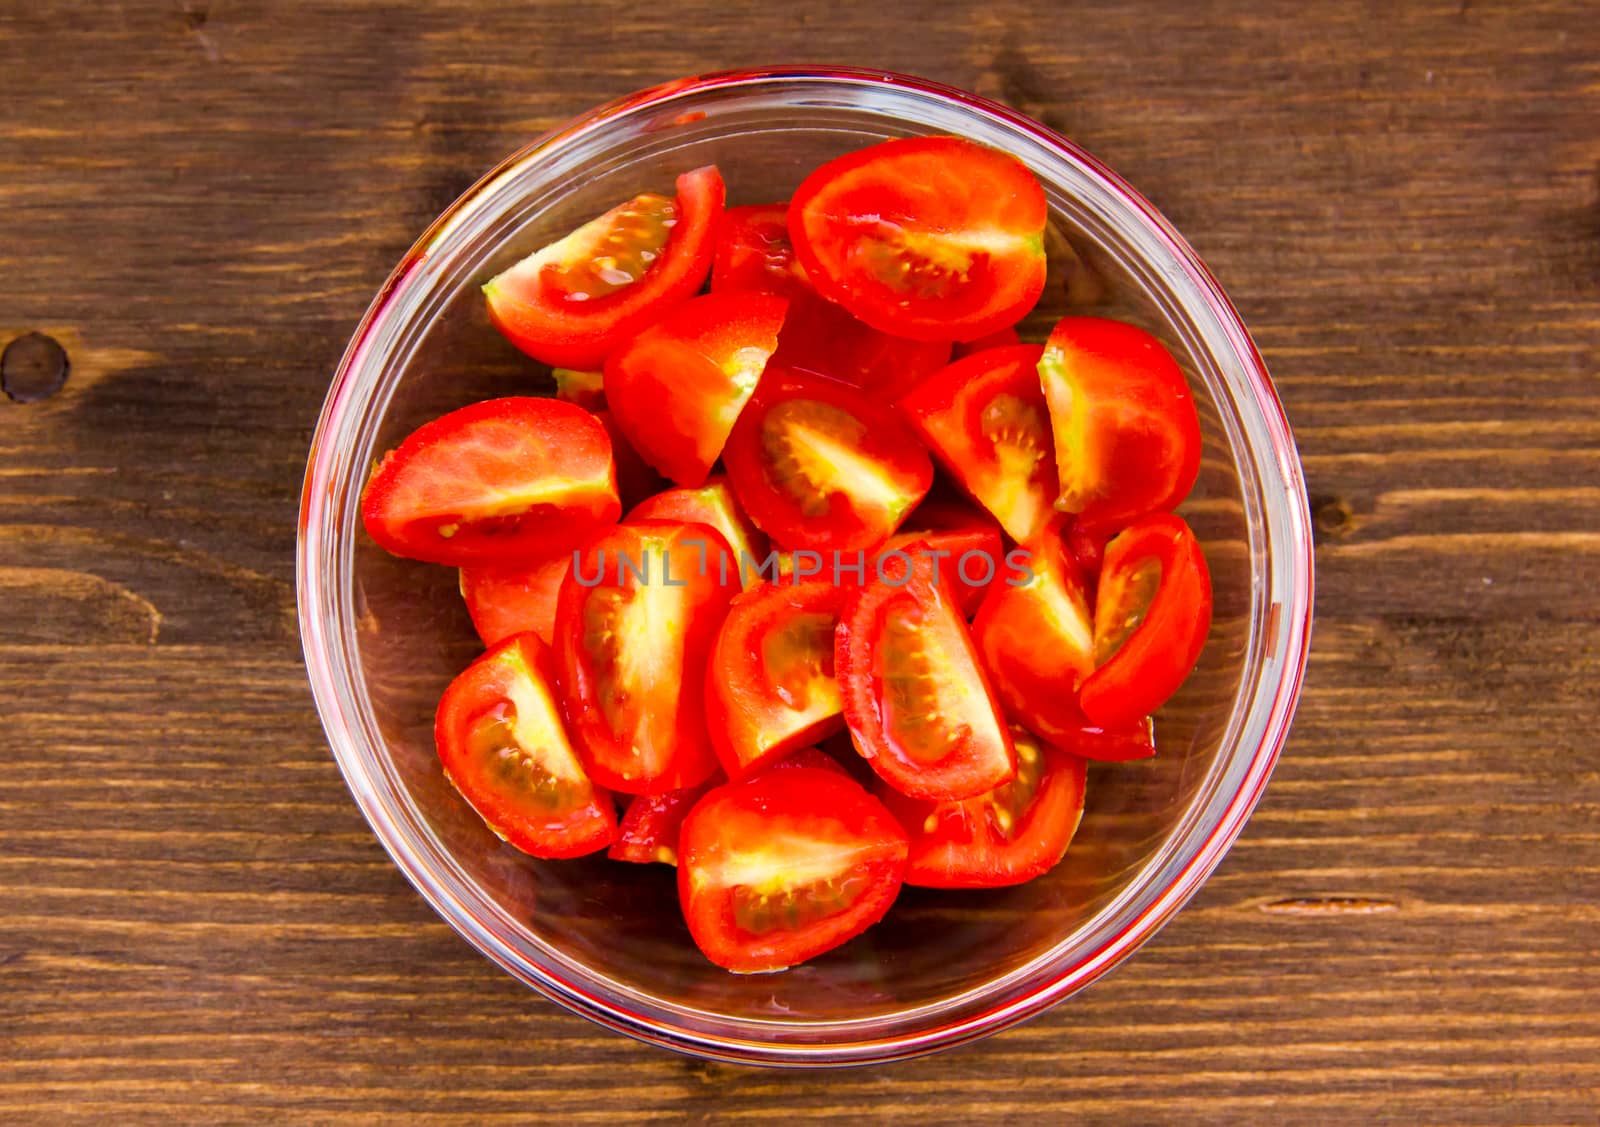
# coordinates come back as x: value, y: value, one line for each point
x: 197, y: 202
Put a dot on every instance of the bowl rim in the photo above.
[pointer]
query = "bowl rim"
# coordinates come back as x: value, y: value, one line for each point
x: 1295, y: 618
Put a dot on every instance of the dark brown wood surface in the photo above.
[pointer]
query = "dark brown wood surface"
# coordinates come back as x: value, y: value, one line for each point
x: 198, y: 200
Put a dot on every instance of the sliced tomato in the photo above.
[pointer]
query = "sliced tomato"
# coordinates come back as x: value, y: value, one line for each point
x: 754, y: 255
x: 504, y: 748
x: 1001, y: 338
x: 514, y: 600
x: 634, y: 625
x: 970, y: 559
x: 932, y: 238
x: 585, y: 389
x: 1151, y: 615
x: 1037, y: 638
x: 783, y: 866
x: 677, y: 387
x: 818, y: 465
x: 575, y: 300
x: 648, y: 833
x: 985, y: 419
x: 808, y: 757
x: 635, y: 479
x: 1018, y: 831
x: 916, y: 697
x: 771, y: 687
x: 713, y: 503
x: 1087, y: 547
x: 1109, y: 745
x: 1127, y: 435
x: 501, y: 481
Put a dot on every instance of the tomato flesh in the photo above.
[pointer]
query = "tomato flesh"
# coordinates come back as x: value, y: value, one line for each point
x: 1127, y: 435
x: 917, y: 700
x: 783, y: 866
x: 504, y: 748
x: 677, y: 388
x: 817, y: 465
x: 513, y: 600
x: 635, y: 620
x: 648, y: 832
x: 714, y: 504
x: 572, y: 302
x: 501, y: 481
x: 931, y: 238
x: 1014, y: 833
x: 1151, y: 615
x: 1037, y: 638
x: 771, y: 687
x: 986, y: 420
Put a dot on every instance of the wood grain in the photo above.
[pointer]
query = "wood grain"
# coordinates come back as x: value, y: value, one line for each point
x: 197, y: 200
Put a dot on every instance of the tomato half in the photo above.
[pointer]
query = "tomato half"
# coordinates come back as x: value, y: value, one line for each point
x: 1151, y: 616
x: 771, y: 687
x: 788, y: 864
x: 916, y: 697
x: 985, y: 419
x: 677, y: 387
x: 715, y: 504
x: 1037, y: 638
x: 575, y: 300
x: 634, y: 625
x: 1127, y: 435
x: 648, y: 832
x: 504, y: 748
x: 754, y: 255
x: 818, y: 465
x: 1001, y: 338
x: 1018, y: 831
x: 513, y: 600
x: 932, y: 238
x: 500, y: 481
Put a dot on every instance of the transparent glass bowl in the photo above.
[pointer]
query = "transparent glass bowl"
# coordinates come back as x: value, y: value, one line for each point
x: 384, y: 636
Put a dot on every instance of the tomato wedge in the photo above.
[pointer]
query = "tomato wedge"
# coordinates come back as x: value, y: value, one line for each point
x: 771, y: 687
x: 1037, y: 638
x: 788, y: 864
x: 677, y: 387
x: 932, y: 238
x: 503, y: 747
x: 1018, y: 831
x: 575, y: 300
x: 634, y: 625
x: 985, y: 419
x: 916, y: 697
x: 1151, y: 616
x: 818, y: 465
x: 648, y: 833
x: 513, y: 600
x: 501, y: 481
x: 1126, y: 432
x: 713, y: 503
x: 754, y: 255
x: 1109, y: 745
x: 1001, y: 338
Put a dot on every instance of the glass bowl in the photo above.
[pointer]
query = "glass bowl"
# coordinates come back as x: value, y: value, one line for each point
x: 384, y: 636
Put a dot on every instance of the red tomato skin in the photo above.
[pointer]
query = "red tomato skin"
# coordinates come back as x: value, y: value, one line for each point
x: 955, y: 844
x: 479, y: 688
x: 1109, y: 745
x: 1001, y: 338
x: 676, y: 388
x: 669, y: 723
x: 973, y: 545
x: 1036, y: 639
x: 751, y: 726
x: 648, y: 832
x: 885, y: 440
x: 1159, y: 656
x: 568, y: 334
x: 713, y: 503
x: 812, y: 803
x: 809, y: 758
x: 1006, y: 465
x: 970, y: 768
x: 413, y: 503
x: 1126, y: 429
x: 514, y: 600
x: 932, y: 187
x: 754, y: 255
